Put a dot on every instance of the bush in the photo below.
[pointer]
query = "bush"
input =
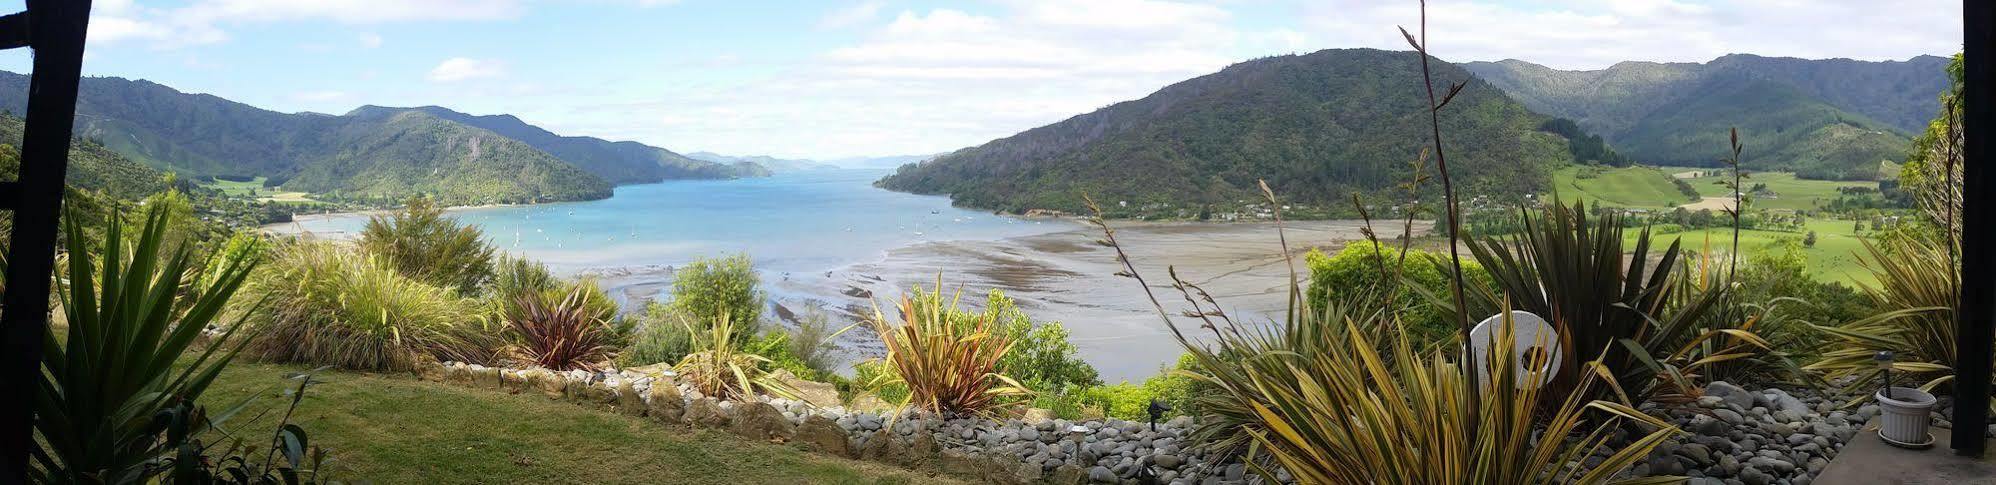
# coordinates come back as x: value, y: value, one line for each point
x: 1355, y: 277
x: 1041, y: 357
x: 421, y: 243
x: 661, y: 335
x: 121, y: 371
x: 709, y: 290
x: 329, y: 305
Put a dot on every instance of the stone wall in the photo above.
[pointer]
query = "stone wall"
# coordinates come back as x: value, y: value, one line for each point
x: 1035, y: 450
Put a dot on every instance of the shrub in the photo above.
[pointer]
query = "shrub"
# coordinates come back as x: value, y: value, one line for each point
x: 513, y: 276
x: 561, y: 335
x: 1376, y: 275
x: 330, y: 305
x: 1041, y: 357
x: 660, y: 336
x: 710, y: 290
x: 421, y: 243
x: 718, y: 367
x: 122, y: 371
x: 949, y: 365
x: 812, y: 342
x: 875, y: 376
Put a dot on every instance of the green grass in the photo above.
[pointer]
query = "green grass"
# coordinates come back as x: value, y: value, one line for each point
x: 254, y: 189
x: 1834, y: 257
x: 1626, y: 187
x: 1790, y: 192
x: 395, y: 429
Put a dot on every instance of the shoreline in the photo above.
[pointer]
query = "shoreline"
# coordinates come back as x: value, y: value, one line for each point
x: 1064, y: 276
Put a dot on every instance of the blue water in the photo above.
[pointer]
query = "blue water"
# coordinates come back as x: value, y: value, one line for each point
x: 800, y: 222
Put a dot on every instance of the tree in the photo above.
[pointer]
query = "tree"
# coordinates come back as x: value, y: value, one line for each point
x: 419, y: 242
x: 1809, y: 240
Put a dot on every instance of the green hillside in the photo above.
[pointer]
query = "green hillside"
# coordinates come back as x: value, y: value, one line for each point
x: 622, y: 162
x: 91, y: 166
x: 389, y: 158
x: 1832, y: 119
x: 1318, y: 127
x: 372, y: 155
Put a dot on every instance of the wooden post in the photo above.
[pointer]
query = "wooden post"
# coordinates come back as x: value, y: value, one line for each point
x: 1973, y: 320
x: 55, y: 31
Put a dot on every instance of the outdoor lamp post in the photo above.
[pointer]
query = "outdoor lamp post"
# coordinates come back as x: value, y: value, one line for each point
x: 1156, y: 410
x: 1884, y: 360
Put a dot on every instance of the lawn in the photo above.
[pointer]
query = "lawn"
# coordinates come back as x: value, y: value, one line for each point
x: 1789, y: 192
x: 1833, y: 258
x: 395, y: 429
x: 1626, y: 187
x: 254, y: 189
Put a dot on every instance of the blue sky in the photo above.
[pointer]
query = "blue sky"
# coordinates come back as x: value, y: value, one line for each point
x: 825, y: 79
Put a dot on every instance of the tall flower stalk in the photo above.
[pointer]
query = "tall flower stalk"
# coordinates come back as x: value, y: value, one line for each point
x: 1448, y: 192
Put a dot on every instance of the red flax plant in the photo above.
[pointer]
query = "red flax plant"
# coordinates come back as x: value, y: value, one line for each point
x: 562, y: 336
x: 948, y: 359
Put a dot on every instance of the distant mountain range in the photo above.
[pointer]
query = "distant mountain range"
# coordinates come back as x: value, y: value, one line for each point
x: 1834, y: 118
x: 778, y: 165
x: 798, y: 165
x: 370, y: 154
x: 1318, y: 127
x: 1321, y: 126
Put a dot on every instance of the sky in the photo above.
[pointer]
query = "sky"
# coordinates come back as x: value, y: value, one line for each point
x: 843, y: 78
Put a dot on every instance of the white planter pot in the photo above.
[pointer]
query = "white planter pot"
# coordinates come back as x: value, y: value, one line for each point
x: 1904, y: 417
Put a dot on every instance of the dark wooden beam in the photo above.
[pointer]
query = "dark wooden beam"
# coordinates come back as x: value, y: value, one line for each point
x: 56, y: 32
x: 1973, y: 321
x: 14, y: 30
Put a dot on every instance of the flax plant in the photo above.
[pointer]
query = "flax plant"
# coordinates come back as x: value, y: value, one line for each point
x: 562, y: 335
x: 1916, y: 295
x: 718, y: 367
x: 1317, y: 397
x: 948, y: 360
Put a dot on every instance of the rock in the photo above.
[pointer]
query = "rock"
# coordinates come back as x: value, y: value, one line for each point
x: 663, y: 403
x: 487, y: 378
x: 706, y: 413
x: 1784, y: 402
x: 824, y: 435
x: 760, y: 421
x: 1696, y: 452
x: 868, y: 403
x: 1036, y: 416
x: 1068, y: 473
x: 1101, y: 474
x: 1755, y: 477
x: 432, y: 371
x: 1765, y: 463
x: 550, y: 384
x: 1028, y: 434
x: 818, y: 394
x: 882, y: 446
x: 1167, y: 461
x: 1731, y: 394
x: 868, y: 421
x: 1707, y: 425
x: 1729, y: 416
x: 628, y: 400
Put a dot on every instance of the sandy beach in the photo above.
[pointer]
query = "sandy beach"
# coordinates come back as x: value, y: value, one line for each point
x: 1063, y: 276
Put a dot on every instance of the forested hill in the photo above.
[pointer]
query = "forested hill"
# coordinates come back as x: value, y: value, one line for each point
x: 1835, y: 118
x: 1317, y: 126
x: 619, y: 162
x: 368, y: 158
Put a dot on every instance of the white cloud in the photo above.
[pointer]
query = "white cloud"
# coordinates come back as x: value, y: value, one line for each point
x: 369, y: 40
x: 204, y: 21
x: 464, y: 68
x: 932, y: 80
x: 850, y: 15
x: 1577, y: 34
